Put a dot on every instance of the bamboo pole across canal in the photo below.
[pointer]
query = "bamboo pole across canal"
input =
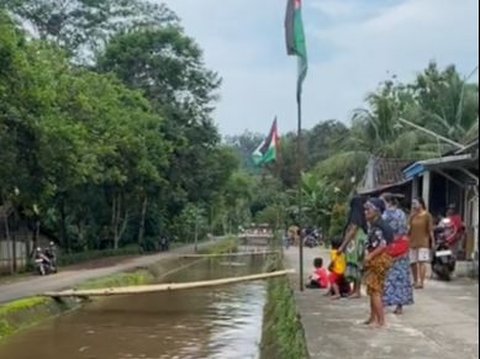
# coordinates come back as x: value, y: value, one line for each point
x: 163, y: 287
x: 233, y: 254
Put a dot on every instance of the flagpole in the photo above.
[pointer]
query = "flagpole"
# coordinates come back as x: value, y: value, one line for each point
x: 295, y: 39
x: 300, y: 204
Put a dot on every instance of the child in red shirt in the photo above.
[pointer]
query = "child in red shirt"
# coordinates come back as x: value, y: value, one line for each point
x: 319, y: 278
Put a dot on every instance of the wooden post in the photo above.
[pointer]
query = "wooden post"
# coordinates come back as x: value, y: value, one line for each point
x: 426, y: 188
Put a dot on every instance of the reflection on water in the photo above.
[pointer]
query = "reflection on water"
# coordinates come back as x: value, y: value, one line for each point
x: 220, y: 322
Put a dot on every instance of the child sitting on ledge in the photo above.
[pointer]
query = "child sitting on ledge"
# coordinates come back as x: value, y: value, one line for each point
x: 319, y: 278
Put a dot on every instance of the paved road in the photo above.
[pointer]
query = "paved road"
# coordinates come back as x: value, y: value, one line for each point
x: 71, y: 278
x: 442, y: 324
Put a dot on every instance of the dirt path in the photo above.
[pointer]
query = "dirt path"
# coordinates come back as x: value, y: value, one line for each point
x: 71, y: 276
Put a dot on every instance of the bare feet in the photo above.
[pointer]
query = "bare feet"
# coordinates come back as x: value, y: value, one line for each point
x: 377, y: 326
x: 398, y: 311
x: 369, y: 321
x: 418, y: 286
x: 354, y: 296
x: 335, y: 297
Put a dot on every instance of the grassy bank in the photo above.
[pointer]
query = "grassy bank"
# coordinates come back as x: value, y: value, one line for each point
x: 282, y: 335
x: 24, y: 313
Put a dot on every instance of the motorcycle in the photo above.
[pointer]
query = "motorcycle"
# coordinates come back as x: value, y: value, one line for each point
x: 50, y: 253
x: 43, y: 264
x: 443, y: 259
x: 312, y: 240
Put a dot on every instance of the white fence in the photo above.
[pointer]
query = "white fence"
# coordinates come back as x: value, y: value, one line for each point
x: 6, y: 255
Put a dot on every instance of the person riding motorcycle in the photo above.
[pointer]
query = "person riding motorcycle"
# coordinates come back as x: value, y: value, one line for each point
x: 51, y: 253
x: 42, y: 261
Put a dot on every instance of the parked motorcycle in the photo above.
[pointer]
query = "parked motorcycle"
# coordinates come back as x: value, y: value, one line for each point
x: 443, y: 259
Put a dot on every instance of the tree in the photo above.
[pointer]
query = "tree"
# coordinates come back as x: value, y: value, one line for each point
x: 447, y: 103
x: 167, y: 66
x: 319, y: 196
x: 323, y: 140
x: 83, y: 27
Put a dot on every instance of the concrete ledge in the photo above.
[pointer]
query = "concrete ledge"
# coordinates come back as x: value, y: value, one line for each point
x: 466, y: 269
x: 442, y: 324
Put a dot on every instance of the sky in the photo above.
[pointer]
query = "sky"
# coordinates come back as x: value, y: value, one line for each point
x: 353, y: 45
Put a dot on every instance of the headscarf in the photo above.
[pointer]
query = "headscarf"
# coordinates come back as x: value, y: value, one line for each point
x: 357, y: 213
x: 376, y: 204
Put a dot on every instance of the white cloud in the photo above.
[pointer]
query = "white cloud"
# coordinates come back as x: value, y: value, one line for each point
x: 352, y: 45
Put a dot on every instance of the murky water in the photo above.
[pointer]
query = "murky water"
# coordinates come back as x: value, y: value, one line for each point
x: 219, y: 322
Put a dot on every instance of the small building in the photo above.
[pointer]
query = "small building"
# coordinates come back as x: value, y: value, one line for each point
x: 450, y: 179
x: 385, y: 175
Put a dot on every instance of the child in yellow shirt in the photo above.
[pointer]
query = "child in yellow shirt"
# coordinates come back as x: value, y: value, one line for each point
x: 337, y: 268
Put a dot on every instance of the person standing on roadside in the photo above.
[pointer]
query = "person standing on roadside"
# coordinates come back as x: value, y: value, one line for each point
x: 377, y: 261
x: 421, y: 241
x: 398, y: 286
x: 354, y: 244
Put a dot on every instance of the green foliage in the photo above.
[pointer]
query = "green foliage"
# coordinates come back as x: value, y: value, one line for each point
x: 23, y: 313
x: 83, y: 26
x: 283, y: 335
x: 107, y: 158
x: 21, y: 305
x: 66, y: 259
x: 318, y: 198
x: 338, y: 220
x: 139, y: 277
x: 125, y: 150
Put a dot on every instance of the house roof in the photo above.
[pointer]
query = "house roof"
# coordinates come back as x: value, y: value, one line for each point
x: 419, y: 167
x: 382, y: 173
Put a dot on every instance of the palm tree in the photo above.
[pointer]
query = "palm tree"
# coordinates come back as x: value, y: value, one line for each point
x: 447, y: 103
x: 442, y: 102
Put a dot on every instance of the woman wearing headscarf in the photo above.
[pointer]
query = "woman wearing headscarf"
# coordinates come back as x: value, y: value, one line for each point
x: 377, y: 260
x: 354, y: 244
x: 398, y: 286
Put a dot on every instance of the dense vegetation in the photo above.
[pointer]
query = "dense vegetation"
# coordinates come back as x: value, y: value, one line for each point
x: 106, y: 132
x: 107, y: 137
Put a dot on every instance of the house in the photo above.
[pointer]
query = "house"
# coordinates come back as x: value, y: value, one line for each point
x: 384, y: 175
x: 450, y: 179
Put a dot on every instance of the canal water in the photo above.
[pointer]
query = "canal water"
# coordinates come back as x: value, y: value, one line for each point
x: 220, y: 322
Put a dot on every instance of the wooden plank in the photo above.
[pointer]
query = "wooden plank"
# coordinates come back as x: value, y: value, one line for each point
x: 163, y: 287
